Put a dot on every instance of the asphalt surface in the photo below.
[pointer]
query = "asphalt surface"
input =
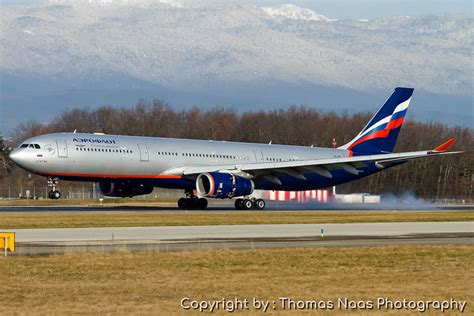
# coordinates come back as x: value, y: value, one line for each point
x: 179, y: 238
x: 239, y: 231
x: 229, y: 207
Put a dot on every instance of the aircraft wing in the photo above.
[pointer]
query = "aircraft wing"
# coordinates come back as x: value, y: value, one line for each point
x: 320, y: 166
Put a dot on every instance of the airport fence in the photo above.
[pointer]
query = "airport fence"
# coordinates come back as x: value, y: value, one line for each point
x: 84, y: 192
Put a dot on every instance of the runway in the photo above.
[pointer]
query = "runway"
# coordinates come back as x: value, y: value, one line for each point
x: 177, y: 238
x: 277, y: 206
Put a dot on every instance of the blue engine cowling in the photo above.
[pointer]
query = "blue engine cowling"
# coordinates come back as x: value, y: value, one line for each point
x: 223, y: 185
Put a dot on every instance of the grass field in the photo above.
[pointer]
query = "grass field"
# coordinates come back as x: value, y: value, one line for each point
x: 154, y: 283
x: 11, y: 220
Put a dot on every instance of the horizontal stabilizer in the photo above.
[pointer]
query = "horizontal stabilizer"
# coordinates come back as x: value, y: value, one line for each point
x: 446, y: 145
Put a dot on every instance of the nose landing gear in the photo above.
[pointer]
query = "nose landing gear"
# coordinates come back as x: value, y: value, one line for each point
x: 54, y: 194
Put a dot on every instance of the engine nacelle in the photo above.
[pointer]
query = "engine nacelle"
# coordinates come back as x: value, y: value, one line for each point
x: 115, y: 189
x: 223, y: 185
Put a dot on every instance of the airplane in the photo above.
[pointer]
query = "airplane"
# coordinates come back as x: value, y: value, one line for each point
x: 127, y: 166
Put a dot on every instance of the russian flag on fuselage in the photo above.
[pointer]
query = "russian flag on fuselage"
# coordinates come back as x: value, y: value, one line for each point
x: 380, y: 134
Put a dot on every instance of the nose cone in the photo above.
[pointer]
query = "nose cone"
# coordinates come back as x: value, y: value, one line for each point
x: 18, y: 157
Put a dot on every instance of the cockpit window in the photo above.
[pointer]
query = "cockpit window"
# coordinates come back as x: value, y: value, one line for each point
x: 35, y: 146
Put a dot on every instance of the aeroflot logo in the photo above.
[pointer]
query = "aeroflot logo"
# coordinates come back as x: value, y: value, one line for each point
x: 94, y: 141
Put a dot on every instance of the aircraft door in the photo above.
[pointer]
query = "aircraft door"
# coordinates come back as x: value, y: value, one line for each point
x: 258, y: 155
x: 144, y: 155
x: 62, y: 148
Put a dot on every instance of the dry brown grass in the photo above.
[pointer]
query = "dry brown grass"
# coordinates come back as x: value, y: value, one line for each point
x: 154, y: 283
x: 183, y: 218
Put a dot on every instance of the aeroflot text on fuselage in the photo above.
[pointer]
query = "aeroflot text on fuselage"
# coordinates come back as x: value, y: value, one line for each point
x: 96, y: 141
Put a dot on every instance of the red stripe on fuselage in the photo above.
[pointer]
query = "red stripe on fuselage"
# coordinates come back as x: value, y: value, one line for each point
x: 114, y: 176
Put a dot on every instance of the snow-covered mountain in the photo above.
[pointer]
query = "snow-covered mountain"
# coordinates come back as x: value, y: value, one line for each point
x: 293, y: 12
x: 88, y: 52
x: 139, y: 3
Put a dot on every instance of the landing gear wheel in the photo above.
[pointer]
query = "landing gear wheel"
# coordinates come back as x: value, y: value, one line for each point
x: 239, y: 204
x: 202, y: 203
x: 248, y: 204
x: 182, y: 203
x: 54, y: 195
x: 259, y: 204
x: 192, y: 203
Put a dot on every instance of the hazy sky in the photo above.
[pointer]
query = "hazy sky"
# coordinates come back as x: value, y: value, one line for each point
x: 370, y: 9
x: 356, y: 9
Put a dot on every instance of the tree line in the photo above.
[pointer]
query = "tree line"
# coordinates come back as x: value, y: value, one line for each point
x: 433, y: 178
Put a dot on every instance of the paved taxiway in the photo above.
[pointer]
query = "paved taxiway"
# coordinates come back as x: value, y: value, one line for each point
x: 239, y: 231
x: 60, y: 240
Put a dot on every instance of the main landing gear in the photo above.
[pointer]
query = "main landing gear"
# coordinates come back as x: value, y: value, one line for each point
x: 248, y: 204
x: 54, y: 194
x: 191, y: 202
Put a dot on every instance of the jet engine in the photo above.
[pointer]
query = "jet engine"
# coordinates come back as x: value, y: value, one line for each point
x: 124, y: 189
x: 223, y: 185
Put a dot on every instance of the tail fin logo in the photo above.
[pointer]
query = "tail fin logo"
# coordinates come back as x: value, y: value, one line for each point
x: 381, y: 133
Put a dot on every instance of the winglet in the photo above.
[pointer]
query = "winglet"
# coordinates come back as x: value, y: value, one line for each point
x: 446, y: 145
